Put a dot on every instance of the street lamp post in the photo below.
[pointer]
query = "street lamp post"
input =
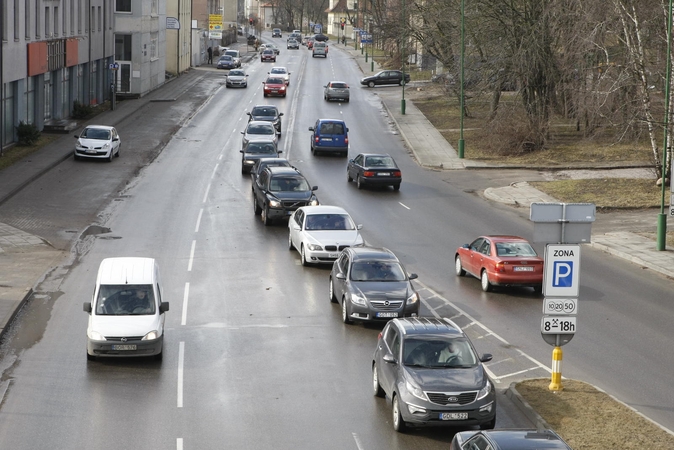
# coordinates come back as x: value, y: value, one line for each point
x: 461, y: 107
x: 661, y: 242
x: 403, y: 47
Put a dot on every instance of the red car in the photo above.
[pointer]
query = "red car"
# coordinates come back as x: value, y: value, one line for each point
x: 501, y: 261
x: 274, y: 86
x: 268, y: 55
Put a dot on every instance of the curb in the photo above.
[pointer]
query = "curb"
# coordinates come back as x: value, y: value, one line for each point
x: 526, y: 409
x: 11, y: 318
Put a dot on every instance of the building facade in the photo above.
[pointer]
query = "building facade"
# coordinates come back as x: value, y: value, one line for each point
x: 54, y: 53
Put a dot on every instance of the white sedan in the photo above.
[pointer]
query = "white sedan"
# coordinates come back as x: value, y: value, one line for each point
x: 281, y: 72
x: 97, y: 141
x: 321, y: 232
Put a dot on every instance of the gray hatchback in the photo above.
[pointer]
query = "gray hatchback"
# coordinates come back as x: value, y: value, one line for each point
x: 433, y: 375
x: 336, y: 90
x: 372, y: 285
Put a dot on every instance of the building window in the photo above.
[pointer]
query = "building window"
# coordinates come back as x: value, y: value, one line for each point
x: 27, y: 20
x: 29, y: 97
x: 56, y: 20
x: 153, y: 10
x: 47, y: 22
x: 72, y: 17
x: 16, y: 20
x: 100, y: 20
x: 122, y: 47
x: 123, y: 6
x: 153, y: 45
x: 38, y: 25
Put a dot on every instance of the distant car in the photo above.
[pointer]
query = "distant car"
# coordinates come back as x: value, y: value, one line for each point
x: 280, y: 72
x: 273, y: 47
x: 276, y: 33
x: 430, y: 370
x: 319, y: 233
x: 226, y: 62
x: 500, y: 261
x: 371, y: 284
x: 330, y: 136
x: 385, y: 77
x: 374, y: 169
x: 295, y: 35
x: 319, y: 49
x: 236, y: 78
x: 320, y: 38
x: 274, y: 86
x: 259, y: 131
x: 336, y: 90
x: 268, y: 55
x: 310, y: 42
x: 236, y: 56
x: 260, y: 164
x: 256, y: 150
x: 293, y: 44
x: 504, y: 439
x: 279, y: 191
x: 267, y: 113
x: 97, y: 141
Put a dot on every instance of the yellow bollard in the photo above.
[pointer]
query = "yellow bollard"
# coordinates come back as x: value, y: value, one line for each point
x: 556, y: 379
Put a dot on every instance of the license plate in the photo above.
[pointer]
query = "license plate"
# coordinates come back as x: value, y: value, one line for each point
x: 91, y: 151
x: 124, y: 347
x: 387, y: 314
x: 333, y: 255
x: 453, y: 416
x: 326, y: 139
x: 523, y: 269
x: 383, y: 174
x: 274, y: 91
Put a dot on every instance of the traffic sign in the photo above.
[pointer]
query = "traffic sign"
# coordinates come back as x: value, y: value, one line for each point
x: 560, y: 306
x: 558, y: 325
x: 562, y: 270
x: 113, y: 66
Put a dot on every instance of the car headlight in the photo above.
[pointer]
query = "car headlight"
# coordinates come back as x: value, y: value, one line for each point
x: 249, y: 161
x: 96, y: 336
x: 314, y: 247
x: 412, y: 299
x: 313, y: 202
x: 358, y: 298
x: 152, y: 335
x: 79, y: 143
x: 274, y: 203
x: 485, y: 390
x: 106, y: 146
x: 414, y: 389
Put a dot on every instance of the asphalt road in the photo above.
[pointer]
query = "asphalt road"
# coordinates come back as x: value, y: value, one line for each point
x: 256, y: 355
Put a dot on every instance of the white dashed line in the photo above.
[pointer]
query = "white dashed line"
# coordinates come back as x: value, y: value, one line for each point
x: 196, y: 229
x: 186, y: 296
x: 181, y: 366
x: 189, y: 264
x: 404, y: 206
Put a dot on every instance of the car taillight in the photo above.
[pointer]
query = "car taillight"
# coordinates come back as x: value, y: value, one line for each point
x: 500, y: 267
x: 379, y: 336
x: 346, y: 140
x: 368, y: 173
x: 316, y: 138
x: 396, y: 173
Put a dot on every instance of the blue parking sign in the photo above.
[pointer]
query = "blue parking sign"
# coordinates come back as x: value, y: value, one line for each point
x: 562, y: 266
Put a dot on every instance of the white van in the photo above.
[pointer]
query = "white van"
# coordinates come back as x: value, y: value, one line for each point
x: 126, y: 312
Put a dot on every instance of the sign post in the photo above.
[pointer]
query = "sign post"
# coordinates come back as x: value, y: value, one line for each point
x: 113, y: 86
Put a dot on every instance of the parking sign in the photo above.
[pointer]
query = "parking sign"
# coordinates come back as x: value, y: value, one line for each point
x: 562, y: 270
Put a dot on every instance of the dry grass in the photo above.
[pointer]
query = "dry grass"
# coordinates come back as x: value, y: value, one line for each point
x: 589, y: 419
x: 605, y: 193
x: 16, y: 153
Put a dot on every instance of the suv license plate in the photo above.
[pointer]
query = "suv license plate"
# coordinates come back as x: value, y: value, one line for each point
x: 387, y: 314
x: 453, y: 416
x: 124, y: 347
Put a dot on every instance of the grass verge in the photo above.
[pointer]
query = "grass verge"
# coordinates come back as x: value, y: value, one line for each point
x: 16, y: 153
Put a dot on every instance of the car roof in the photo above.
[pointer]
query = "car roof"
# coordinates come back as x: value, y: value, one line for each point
x: 259, y: 122
x: 279, y: 67
x: 376, y: 253
x: 126, y: 270
x: 503, y: 237
x: 271, y: 160
x: 331, y: 120
x: 274, y: 107
x: 274, y: 80
x: 529, y: 439
x: 323, y: 209
x: 374, y: 154
x: 262, y: 142
x: 103, y: 127
x: 279, y: 170
x: 428, y: 325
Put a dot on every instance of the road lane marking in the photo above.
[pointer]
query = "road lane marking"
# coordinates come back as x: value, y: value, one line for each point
x: 189, y: 265
x: 186, y: 296
x: 181, y: 363
x: 358, y: 443
x: 208, y: 188
x: 404, y: 206
x: 196, y: 229
x: 214, y: 170
x: 294, y: 103
x: 179, y: 444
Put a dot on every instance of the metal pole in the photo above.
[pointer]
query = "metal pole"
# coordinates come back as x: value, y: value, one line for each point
x: 404, y: 44
x: 2, y: 85
x: 661, y: 242
x: 462, y: 143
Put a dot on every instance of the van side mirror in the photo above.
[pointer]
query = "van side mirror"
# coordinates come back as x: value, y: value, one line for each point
x: 87, y: 307
x: 163, y: 307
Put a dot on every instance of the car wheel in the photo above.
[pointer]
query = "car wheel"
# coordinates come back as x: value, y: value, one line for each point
x: 256, y: 207
x: 458, y: 267
x: 376, y: 387
x: 77, y: 158
x: 331, y: 292
x: 226, y: 86
x: 264, y: 94
x: 396, y: 187
x: 347, y: 100
x: 484, y: 281
x: 90, y: 357
x: 284, y: 95
x: 303, y: 257
x: 290, y: 242
x: 401, y: 82
x: 538, y: 289
x: 398, y: 422
x: 345, y: 312
x: 265, y: 216
x: 112, y: 155
x: 359, y: 182
x: 488, y: 425
x: 118, y: 150
x: 370, y: 84
x: 159, y: 356
x: 348, y: 177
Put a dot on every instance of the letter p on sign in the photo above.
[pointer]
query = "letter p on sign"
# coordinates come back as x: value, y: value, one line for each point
x: 562, y: 274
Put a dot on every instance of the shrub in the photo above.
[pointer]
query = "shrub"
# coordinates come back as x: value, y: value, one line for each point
x: 81, y: 111
x: 28, y: 134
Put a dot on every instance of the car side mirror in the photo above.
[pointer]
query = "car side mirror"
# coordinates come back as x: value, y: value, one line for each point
x: 465, y: 246
x: 351, y: 160
x: 311, y: 128
x: 413, y: 276
x: 279, y: 151
x: 347, y: 130
x: 314, y: 188
x: 296, y: 227
x: 390, y: 359
x: 324, y: 86
x: 280, y: 114
x: 359, y: 226
x: 486, y: 357
x: 163, y: 307
x: 248, y: 113
x: 240, y: 151
x: 243, y: 132
x: 76, y: 137
x: 87, y: 307
x: 340, y: 276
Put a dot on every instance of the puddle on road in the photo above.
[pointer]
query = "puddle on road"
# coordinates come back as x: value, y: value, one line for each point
x: 94, y: 230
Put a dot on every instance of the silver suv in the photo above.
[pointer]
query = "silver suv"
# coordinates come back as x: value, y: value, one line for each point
x: 433, y: 375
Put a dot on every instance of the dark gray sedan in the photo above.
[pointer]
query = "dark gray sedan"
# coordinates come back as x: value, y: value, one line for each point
x: 374, y: 169
x: 372, y: 285
x: 336, y: 90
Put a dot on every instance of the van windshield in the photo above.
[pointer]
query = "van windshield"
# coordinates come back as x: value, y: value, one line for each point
x: 125, y: 300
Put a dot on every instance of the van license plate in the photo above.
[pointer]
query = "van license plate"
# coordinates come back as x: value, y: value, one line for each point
x: 124, y: 347
x: 453, y: 416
